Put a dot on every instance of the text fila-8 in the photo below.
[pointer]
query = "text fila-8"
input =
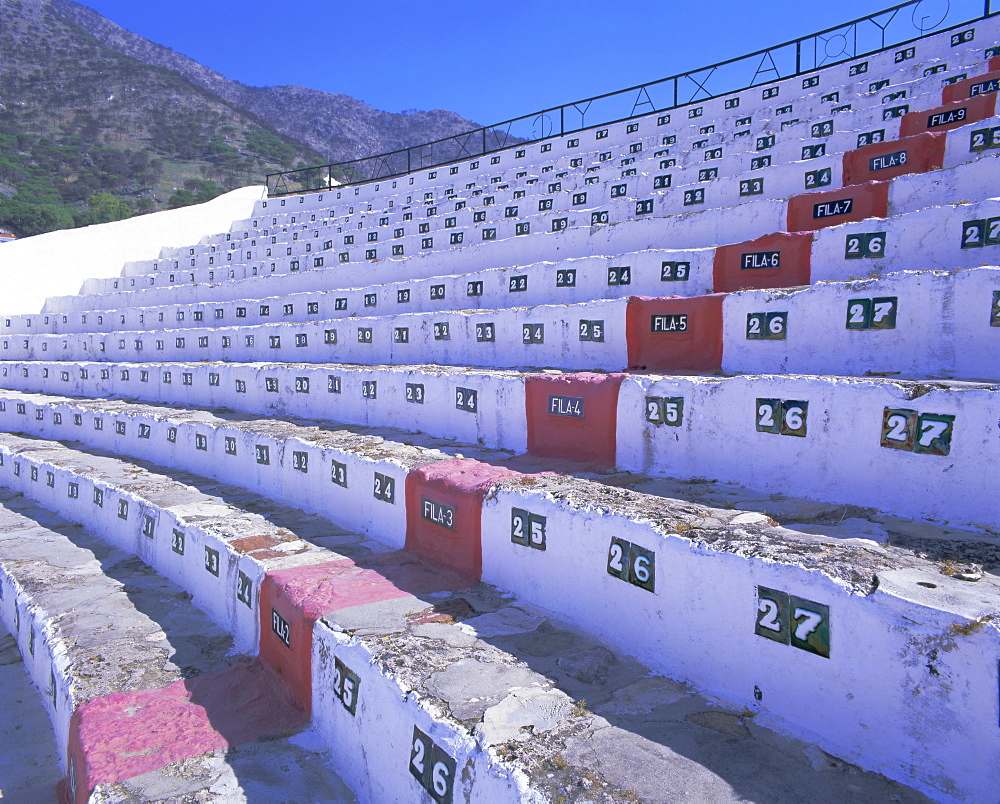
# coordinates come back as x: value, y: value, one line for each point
x: 792, y: 620
x: 527, y: 529
x: 782, y: 417
x: 767, y: 326
x: 633, y: 564
x: 923, y: 433
x: 432, y: 767
x: 878, y: 313
x: 667, y: 410
x: 865, y: 245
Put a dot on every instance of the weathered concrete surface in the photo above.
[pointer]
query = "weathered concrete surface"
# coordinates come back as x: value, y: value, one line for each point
x: 29, y: 758
x: 152, y: 683
x: 277, y: 771
x: 574, y: 720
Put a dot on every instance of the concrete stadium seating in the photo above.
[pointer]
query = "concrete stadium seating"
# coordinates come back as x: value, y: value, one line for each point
x: 660, y: 455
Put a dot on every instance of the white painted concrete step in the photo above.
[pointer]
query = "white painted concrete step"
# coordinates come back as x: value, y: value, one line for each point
x: 523, y: 704
x: 93, y: 621
x: 29, y: 757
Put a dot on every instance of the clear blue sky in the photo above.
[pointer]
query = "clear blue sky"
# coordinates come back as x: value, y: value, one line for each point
x: 488, y: 60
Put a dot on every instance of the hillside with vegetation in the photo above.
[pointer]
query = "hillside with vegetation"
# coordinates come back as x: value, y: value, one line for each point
x: 98, y: 124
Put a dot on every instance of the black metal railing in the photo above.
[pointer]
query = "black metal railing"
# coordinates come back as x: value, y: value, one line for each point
x: 892, y: 27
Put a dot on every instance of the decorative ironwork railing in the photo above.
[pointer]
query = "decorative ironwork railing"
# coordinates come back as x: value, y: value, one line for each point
x: 898, y: 25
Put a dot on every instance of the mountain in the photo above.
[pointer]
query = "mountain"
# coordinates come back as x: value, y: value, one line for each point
x: 97, y: 123
x: 336, y: 126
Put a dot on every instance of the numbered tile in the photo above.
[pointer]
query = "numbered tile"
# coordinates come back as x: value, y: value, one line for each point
x: 933, y: 436
x: 532, y: 334
x: 518, y: 284
x: 977, y: 233
x: 466, y: 399
x: 665, y: 410
x: 346, y: 686
x: 871, y: 137
x: 772, y: 615
x: 485, y: 332
x: 794, y: 414
x: 432, y: 767
x: 984, y: 138
x: 995, y: 310
x: 818, y: 178
x: 675, y: 271
x: 794, y: 621
x: 642, y: 568
x: 620, y: 275
x: 767, y: 326
x: 415, y: 393
x: 859, y: 314
x: 618, y: 553
x: 877, y: 313
x: 338, y: 474
x: 566, y: 278
x: 810, y: 626
x: 527, y: 529
x: 863, y: 246
x: 592, y: 331
x: 884, y: 312
x: 384, y: 488
x: 898, y: 427
x: 768, y: 416
x: 212, y: 561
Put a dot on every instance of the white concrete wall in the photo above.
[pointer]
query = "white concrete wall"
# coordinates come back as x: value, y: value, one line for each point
x: 57, y: 263
x: 840, y: 459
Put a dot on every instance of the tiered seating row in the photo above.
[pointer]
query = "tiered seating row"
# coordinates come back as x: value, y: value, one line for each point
x: 814, y: 329
x: 641, y: 557
x: 874, y: 81
x: 165, y: 665
x: 572, y: 280
x: 870, y: 442
x: 503, y: 223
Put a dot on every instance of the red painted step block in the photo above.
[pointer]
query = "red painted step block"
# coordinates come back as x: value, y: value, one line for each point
x: 948, y: 116
x: 885, y: 160
x: 119, y: 736
x: 812, y: 211
x: 291, y: 600
x: 973, y: 87
x: 675, y: 333
x: 444, y: 512
x: 779, y: 260
x: 994, y: 64
x: 573, y: 416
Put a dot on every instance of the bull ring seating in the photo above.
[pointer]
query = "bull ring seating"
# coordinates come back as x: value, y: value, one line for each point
x: 653, y: 459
